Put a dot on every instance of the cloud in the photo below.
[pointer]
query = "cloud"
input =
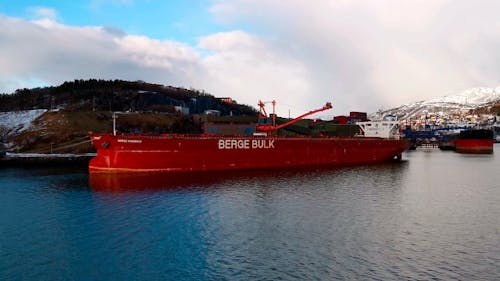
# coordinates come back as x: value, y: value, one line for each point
x: 152, y: 53
x: 48, y: 51
x: 236, y: 64
x: 250, y: 68
x: 361, y: 55
x: 368, y: 54
x: 39, y: 13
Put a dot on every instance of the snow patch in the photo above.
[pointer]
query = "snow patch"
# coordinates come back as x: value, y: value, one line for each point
x: 19, y: 121
x: 451, y: 104
x: 471, y: 97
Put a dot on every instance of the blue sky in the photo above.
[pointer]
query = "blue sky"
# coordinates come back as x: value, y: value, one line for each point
x: 361, y: 55
x: 183, y: 20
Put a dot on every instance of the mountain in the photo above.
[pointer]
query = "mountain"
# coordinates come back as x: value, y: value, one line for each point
x: 472, y: 101
x: 119, y: 95
x: 58, y: 119
x: 471, y: 97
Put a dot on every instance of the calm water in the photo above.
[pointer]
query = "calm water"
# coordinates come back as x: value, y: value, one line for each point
x: 436, y: 215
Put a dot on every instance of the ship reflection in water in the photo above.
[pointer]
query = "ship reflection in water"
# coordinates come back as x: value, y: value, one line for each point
x: 120, y: 182
x: 154, y: 181
x: 138, y: 182
x: 169, y: 181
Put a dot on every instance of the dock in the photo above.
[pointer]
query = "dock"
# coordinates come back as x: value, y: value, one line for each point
x: 44, y: 159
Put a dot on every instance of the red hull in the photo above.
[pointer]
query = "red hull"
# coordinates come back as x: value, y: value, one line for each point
x: 474, y: 145
x: 175, y: 153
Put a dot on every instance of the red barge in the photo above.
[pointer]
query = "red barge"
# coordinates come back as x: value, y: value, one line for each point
x: 132, y: 153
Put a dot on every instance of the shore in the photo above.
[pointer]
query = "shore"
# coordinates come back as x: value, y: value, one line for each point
x: 39, y: 159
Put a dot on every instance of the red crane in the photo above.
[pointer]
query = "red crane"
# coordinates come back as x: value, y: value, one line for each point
x: 272, y: 127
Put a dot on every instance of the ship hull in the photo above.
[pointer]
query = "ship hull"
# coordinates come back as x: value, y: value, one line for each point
x: 475, y: 146
x: 475, y: 141
x: 174, y: 153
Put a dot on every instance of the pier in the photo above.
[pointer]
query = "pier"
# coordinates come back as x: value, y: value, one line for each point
x: 39, y: 159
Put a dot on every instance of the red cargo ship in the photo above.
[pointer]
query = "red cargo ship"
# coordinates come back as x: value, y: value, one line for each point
x: 478, y: 141
x: 128, y: 153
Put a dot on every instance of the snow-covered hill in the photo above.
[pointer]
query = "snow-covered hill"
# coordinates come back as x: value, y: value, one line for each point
x: 470, y: 99
x: 14, y: 122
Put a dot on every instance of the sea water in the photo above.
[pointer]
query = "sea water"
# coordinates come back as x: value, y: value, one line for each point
x: 434, y: 215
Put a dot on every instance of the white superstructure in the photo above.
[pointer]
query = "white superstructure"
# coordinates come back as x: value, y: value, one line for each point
x: 381, y: 129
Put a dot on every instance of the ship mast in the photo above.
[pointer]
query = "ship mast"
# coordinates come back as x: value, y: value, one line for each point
x: 265, y: 126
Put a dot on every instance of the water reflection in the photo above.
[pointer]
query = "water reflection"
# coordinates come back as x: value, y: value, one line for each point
x: 426, y: 218
x: 166, y: 181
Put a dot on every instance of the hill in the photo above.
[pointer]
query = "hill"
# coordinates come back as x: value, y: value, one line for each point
x: 58, y: 119
x: 119, y: 95
x: 479, y: 105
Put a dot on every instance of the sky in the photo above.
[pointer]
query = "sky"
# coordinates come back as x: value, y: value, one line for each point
x: 361, y: 55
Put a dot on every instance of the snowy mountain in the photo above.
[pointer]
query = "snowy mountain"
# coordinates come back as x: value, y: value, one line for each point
x: 471, y: 99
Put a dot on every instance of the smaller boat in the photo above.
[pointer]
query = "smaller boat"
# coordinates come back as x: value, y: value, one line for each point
x: 475, y: 141
x: 496, y: 132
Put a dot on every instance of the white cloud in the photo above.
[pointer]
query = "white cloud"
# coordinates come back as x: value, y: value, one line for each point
x: 154, y: 53
x: 48, y: 51
x: 42, y: 13
x: 250, y: 68
x: 367, y: 54
x: 359, y: 54
x: 236, y: 64
x: 230, y: 41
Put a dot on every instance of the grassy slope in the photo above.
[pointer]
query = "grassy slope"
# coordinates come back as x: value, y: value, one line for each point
x: 60, y: 131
